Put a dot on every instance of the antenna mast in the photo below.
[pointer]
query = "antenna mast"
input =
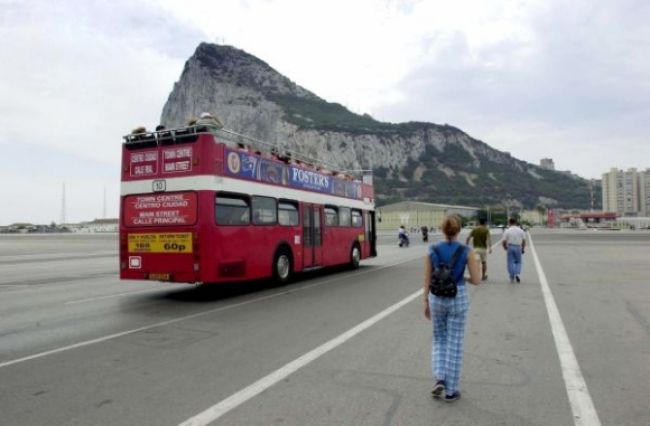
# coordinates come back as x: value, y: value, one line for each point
x: 63, y: 218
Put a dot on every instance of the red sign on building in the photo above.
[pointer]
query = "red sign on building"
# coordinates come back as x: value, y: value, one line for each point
x: 160, y: 209
x: 550, y: 219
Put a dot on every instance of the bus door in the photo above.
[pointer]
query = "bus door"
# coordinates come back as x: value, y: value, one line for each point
x: 371, y: 232
x: 312, y: 235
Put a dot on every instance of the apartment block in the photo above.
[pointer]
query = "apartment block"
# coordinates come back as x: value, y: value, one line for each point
x: 644, y: 192
x: 626, y: 192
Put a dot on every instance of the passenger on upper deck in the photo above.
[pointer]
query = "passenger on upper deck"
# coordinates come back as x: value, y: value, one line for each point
x: 210, y: 121
x: 139, y: 130
x: 139, y: 133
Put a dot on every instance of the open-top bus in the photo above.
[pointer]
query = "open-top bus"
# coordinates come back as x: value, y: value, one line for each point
x: 201, y: 206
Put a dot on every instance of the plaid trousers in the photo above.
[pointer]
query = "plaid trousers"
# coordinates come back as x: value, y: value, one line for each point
x: 449, y: 316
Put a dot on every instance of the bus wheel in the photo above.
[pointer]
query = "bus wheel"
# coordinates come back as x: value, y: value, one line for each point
x: 355, y: 257
x: 282, y: 266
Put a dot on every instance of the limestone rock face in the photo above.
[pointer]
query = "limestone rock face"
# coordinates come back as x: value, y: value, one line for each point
x: 416, y: 161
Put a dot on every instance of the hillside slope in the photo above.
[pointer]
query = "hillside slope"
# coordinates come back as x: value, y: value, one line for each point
x: 414, y: 160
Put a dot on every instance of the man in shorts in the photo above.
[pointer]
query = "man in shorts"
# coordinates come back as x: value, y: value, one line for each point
x: 482, y: 244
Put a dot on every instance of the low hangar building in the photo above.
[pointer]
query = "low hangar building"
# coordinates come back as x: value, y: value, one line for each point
x: 415, y: 214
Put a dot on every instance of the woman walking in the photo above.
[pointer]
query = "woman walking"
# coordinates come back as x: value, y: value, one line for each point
x: 449, y: 313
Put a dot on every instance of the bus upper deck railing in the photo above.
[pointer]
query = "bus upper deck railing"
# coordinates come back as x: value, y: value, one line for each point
x: 191, y: 133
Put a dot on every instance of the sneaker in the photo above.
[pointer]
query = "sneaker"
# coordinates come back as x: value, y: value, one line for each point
x: 453, y: 397
x: 517, y: 278
x: 438, y: 389
x: 484, y: 278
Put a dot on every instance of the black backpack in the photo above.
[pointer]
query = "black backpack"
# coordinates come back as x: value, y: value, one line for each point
x: 443, y: 282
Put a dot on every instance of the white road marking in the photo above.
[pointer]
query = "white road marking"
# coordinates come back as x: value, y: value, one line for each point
x: 183, y: 318
x: 110, y: 296
x: 584, y: 412
x: 52, y: 256
x: 236, y: 399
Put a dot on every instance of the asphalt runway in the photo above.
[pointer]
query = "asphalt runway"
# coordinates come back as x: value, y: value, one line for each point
x: 80, y: 347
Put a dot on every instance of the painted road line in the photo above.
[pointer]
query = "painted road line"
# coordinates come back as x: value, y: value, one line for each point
x: 236, y: 399
x: 196, y: 315
x: 584, y: 412
x: 55, y: 256
x: 111, y: 296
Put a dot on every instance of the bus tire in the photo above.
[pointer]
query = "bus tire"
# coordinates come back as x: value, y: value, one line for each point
x: 282, y: 266
x: 355, y: 256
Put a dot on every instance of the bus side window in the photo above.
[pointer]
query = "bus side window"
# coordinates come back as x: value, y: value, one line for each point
x: 357, y: 220
x: 232, y: 209
x: 344, y: 216
x: 331, y: 216
x: 264, y: 211
x: 288, y: 213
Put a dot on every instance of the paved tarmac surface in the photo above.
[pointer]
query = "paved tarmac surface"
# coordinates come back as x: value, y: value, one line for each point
x: 80, y: 347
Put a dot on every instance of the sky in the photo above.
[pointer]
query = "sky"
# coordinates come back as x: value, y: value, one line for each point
x: 564, y: 80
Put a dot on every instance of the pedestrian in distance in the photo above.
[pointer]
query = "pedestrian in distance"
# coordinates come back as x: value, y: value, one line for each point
x: 482, y: 241
x: 403, y: 237
x: 425, y: 233
x: 514, y: 242
x: 448, y: 313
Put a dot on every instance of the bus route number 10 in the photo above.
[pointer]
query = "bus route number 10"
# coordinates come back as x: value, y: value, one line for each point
x: 159, y: 185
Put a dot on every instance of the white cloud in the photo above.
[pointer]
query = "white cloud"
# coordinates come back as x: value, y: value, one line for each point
x: 77, y: 89
x: 73, y: 82
x: 563, y: 75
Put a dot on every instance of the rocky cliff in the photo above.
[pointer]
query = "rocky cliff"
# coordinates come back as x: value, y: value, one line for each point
x: 414, y: 160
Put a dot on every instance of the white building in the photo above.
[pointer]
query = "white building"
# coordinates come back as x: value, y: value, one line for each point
x: 644, y: 193
x: 99, y: 225
x: 621, y: 192
x: 415, y: 214
x: 547, y: 163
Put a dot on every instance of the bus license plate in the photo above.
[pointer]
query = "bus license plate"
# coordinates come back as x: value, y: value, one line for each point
x: 170, y: 242
x: 160, y: 277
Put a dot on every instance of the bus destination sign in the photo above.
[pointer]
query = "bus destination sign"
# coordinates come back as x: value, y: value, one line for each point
x: 176, y: 160
x: 144, y: 163
x: 160, y: 209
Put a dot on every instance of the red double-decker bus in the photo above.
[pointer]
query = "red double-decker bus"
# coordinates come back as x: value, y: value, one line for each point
x: 201, y: 206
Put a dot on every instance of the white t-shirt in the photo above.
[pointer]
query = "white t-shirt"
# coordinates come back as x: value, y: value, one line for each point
x: 514, y: 235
